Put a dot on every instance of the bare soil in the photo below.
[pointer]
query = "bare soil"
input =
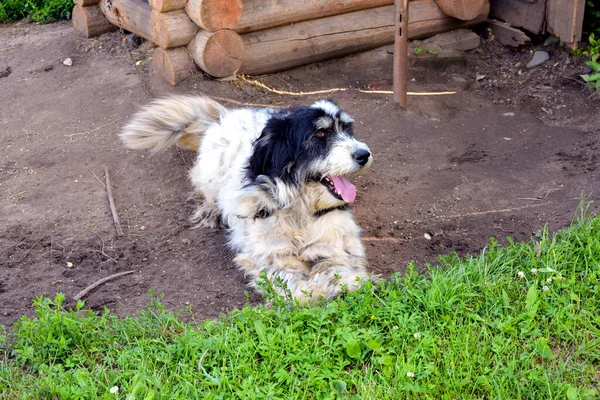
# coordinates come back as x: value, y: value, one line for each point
x: 503, y: 156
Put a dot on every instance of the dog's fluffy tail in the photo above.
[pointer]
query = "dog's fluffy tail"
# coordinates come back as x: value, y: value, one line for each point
x: 180, y: 120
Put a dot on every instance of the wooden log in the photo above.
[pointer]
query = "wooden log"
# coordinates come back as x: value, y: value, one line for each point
x: 218, y: 54
x: 90, y: 21
x: 86, y: 3
x: 173, y: 65
x: 133, y: 15
x: 565, y: 20
x: 528, y: 15
x: 213, y: 15
x: 302, y: 43
x: 462, y: 9
x: 507, y: 35
x: 166, y: 5
x: 260, y: 14
x: 172, y: 29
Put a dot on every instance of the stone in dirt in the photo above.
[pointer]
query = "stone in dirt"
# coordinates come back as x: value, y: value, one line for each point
x: 459, y: 39
x: 539, y: 57
x: 443, y: 50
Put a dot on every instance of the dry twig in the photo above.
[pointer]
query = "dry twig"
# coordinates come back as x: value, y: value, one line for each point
x: 95, y: 129
x: 94, y: 285
x: 26, y: 254
x: 111, y: 203
x: 384, y: 239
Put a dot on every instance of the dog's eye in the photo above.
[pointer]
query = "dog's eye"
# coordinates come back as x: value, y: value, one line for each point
x: 320, y: 134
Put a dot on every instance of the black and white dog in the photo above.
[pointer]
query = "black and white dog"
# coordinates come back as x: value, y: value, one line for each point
x: 277, y: 179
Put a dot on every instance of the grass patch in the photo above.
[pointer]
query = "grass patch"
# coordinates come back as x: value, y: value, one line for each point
x: 519, y: 322
x: 43, y: 11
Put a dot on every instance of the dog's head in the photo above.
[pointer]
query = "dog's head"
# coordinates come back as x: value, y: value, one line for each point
x: 309, y: 152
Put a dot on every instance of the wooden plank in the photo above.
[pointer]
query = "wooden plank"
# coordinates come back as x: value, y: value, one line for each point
x: 565, y: 20
x: 173, y: 65
x: 462, y: 9
x: 507, y: 35
x: 166, y: 5
x: 521, y: 13
x: 321, y: 39
x: 90, y: 21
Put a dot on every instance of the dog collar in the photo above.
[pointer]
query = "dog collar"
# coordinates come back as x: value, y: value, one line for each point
x: 320, y: 213
x: 263, y: 214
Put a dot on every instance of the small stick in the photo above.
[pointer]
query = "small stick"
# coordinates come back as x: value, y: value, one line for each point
x: 384, y: 239
x: 111, y: 203
x: 94, y: 285
x: 26, y: 254
x: 105, y: 255
x: 95, y: 129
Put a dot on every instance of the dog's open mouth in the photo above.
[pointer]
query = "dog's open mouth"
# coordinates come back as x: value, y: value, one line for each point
x: 340, y: 188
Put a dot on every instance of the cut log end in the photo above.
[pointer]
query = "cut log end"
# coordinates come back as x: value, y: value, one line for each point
x: 173, y: 65
x: 219, y: 54
x: 213, y: 15
x: 90, y: 22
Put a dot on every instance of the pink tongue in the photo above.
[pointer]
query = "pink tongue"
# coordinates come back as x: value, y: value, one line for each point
x: 345, y: 187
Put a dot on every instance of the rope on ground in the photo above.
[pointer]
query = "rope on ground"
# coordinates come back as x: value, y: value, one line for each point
x: 333, y: 90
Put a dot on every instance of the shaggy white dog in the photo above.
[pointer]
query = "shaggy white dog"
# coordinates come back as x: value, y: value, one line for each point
x: 276, y: 179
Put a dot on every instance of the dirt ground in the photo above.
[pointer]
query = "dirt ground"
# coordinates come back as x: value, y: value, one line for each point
x: 504, y: 156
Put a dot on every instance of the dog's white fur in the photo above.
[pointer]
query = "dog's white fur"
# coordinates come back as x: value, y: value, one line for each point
x: 315, y: 255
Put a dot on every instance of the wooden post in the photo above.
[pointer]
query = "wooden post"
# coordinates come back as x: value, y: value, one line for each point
x: 401, y: 53
x: 565, y: 20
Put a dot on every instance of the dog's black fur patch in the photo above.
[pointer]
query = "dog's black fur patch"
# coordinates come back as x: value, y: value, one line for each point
x: 288, y: 144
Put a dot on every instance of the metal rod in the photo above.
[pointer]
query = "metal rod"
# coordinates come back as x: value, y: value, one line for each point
x: 401, y: 52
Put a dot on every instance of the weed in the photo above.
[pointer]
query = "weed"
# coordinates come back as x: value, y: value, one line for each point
x: 43, y: 11
x: 519, y: 322
x: 419, y: 50
x: 591, y: 20
x: 593, y: 51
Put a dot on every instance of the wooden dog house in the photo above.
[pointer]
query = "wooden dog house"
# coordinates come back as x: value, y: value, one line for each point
x: 225, y: 37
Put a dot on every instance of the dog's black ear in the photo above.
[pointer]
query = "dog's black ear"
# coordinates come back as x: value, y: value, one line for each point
x: 276, y: 151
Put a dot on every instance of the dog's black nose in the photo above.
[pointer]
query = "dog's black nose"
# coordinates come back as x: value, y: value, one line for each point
x: 362, y: 157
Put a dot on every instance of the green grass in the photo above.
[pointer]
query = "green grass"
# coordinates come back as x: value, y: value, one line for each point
x: 43, y: 11
x: 470, y: 329
x: 591, y: 18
